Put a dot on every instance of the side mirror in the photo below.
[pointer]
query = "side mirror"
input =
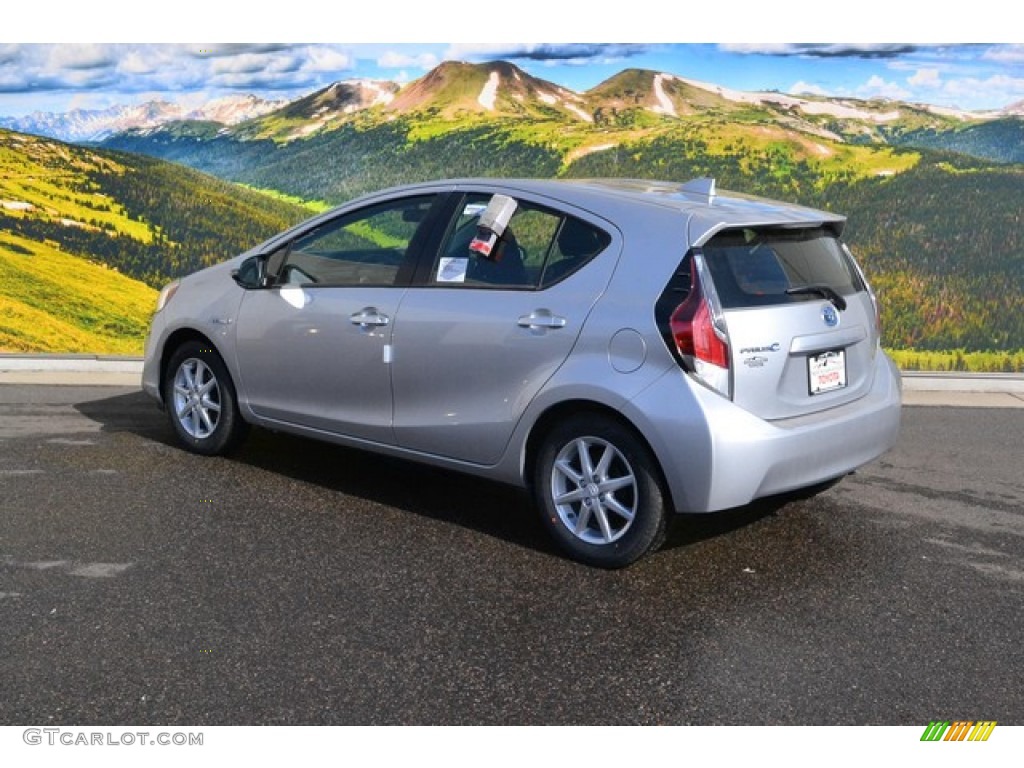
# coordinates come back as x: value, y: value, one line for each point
x: 252, y: 273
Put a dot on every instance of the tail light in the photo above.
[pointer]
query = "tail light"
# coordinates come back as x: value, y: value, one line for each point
x: 695, y: 327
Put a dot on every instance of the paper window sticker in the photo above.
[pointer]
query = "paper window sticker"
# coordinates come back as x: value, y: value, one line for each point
x: 452, y: 269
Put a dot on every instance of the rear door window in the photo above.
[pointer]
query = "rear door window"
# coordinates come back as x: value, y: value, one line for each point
x: 540, y: 247
x: 756, y: 267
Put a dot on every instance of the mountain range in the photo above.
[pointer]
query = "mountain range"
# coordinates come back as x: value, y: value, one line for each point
x: 457, y: 89
x: 85, y: 125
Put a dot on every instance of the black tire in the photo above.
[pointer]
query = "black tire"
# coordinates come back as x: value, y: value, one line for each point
x: 200, y: 400
x: 629, y: 481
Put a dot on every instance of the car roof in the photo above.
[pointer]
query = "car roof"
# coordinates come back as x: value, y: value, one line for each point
x: 710, y: 209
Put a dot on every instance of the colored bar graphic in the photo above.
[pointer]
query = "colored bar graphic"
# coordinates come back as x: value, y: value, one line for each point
x: 958, y: 731
x: 935, y: 730
x: 961, y: 730
x: 982, y: 730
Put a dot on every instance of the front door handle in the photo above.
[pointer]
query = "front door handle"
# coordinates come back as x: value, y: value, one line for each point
x: 368, y: 317
x: 541, y: 318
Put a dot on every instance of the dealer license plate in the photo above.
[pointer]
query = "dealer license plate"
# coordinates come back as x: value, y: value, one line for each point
x: 827, y: 371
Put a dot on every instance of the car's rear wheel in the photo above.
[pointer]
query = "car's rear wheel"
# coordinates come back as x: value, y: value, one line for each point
x: 599, y: 491
x: 200, y: 399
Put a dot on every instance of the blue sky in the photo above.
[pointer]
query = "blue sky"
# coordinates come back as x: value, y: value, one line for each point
x: 704, y: 41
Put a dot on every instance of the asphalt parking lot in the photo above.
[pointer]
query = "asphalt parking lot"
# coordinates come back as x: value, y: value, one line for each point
x: 301, y: 583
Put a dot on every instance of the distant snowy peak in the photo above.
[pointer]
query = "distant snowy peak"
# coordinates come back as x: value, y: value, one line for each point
x: 231, y: 110
x: 809, y: 106
x: 97, y: 124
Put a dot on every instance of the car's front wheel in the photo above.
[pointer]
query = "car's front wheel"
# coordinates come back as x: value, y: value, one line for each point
x: 200, y: 399
x: 599, y: 491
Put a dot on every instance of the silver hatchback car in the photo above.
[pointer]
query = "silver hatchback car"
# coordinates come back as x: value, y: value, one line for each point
x: 625, y: 349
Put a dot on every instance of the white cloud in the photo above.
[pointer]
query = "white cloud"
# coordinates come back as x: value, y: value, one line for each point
x: 925, y: 78
x: 136, y: 63
x: 86, y: 56
x: 878, y: 88
x: 396, y: 60
x: 325, y: 59
x: 803, y: 87
x: 772, y: 49
x: 997, y: 89
x: 1006, y: 54
x: 249, y: 63
x: 9, y: 52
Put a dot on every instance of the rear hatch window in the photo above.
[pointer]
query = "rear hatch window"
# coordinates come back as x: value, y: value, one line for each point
x: 756, y: 267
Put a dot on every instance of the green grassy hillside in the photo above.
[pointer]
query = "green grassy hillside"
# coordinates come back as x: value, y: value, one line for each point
x: 53, y: 302
x: 87, y: 235
x: 144, y: 217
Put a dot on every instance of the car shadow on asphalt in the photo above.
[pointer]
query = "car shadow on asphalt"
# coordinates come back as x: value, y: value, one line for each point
x: 687, y: 529
x: 134, y: 412
x: 480, y: 505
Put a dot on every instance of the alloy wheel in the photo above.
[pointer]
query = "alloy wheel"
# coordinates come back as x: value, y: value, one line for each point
x: 197, y: 398
x: 594, y: 490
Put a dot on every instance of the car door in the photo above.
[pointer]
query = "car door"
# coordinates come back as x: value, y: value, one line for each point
x: 314, y: 346
x: 476, y: 342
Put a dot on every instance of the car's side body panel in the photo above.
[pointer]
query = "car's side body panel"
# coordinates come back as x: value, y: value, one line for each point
x: 304, y: 357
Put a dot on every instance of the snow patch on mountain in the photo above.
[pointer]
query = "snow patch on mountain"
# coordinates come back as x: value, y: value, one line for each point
x: 580, y: 113
x: 959, y: 114
x: 383, y: 93
x: 231, y: 110
x: 841, y: 110
x: 489, y: 93
x: 808, y: 107
x: 664, y: 105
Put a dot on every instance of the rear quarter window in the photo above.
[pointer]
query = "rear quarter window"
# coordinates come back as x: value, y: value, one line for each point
x: 755, y: 267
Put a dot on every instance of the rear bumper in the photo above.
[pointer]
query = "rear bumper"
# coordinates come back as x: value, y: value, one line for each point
x: 738, y: 457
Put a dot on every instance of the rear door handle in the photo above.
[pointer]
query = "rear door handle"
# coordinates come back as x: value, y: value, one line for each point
x: 541, y: 318
x: 368, y: 317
